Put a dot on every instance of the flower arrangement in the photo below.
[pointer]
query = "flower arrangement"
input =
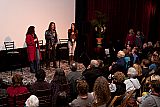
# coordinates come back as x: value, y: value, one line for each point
x: 99, y: 24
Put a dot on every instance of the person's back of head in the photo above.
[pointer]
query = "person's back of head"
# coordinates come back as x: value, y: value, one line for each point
x: 17, y: 80
x: 145, y: 63
x: 101, y: 64
x: 94, y: 63
x: 32, y: 101
x: 82, y: 87
x: 40, y: 75
x: 155, y: 86
x: 120, y: 54
x: 73, y: 66
x: 119, y: 77
x: 59, y: 76
x: 101, y: 90
x: 132, y: 72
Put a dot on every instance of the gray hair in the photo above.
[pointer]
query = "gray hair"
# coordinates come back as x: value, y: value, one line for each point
x: 94, y: 63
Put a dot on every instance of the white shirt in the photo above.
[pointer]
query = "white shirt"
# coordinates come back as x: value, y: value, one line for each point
x: 132, y: 84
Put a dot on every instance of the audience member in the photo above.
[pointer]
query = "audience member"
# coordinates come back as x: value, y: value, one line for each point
x: 2, y: 90
x: 32, y: 101
x: 40, y: 84
x: 118, y: 80
x: 59, y: 89
x: 145, y: 67
x: 132, y: 82
x: 138, y: 68
x: 134, y: 57
x: 84, y: 98
x: 91, y: 74
x: 72, y: 77
x: 153, y: 100
x: 16, y: 88
x: 157, y: 46
x: 154, y: 61
x: 120, y: 64
x: 101, y: 92
x: 144, y: 52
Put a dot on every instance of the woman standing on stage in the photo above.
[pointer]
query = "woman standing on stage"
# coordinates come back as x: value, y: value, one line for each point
x: 33, y: 49
x: 51, y: 43
x: 72, y: 38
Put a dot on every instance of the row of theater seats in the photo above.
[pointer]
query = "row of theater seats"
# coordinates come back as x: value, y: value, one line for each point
x: 44, y: 97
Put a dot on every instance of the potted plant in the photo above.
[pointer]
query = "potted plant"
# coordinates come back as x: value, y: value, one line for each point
x: 99, y: 27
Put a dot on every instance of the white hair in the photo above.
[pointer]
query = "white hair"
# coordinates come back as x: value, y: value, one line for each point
x: 94, y: 63
x: 32, y: 101
x: 132, y: 72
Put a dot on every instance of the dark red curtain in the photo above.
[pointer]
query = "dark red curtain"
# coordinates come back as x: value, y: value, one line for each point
x: 121, y: 16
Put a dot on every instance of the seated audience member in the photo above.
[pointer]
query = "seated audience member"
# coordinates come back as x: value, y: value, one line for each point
x: 32, y: 101
x: 84, y: 98
x: 40, y: 84
x: 145, y: 67
x: 150, y: 47
x: 72, y: 77
x: 153, y: 100
x: 118, y: 80
x: 132, y: 82
x: 157, y: 46
x: 127, y: 58
x: 104, y: 71
x: 120, y: 64
x: 16, y: 88
x: 144, y: 52
x: 2, y: 90
x: 101, y: 92
x: 138, y: 68
x: 134, y: 57
x: 59, y: 89
x: 154, y: 61
x: 92, y: 73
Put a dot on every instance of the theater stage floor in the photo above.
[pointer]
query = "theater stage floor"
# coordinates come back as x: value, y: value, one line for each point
x: 29, y: 78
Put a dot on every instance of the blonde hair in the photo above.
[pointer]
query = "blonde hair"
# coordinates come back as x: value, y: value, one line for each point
x: 138, y: 68
x: 119, y: 76
x: 120, y: 54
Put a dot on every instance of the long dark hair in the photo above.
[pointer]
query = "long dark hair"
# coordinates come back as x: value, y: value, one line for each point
x: 59, y: 76
x: 30, y: 30
x: 74, y: 27
x: 49, y: 28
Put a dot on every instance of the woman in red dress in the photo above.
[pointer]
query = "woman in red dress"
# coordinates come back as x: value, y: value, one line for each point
x: 33, y: 49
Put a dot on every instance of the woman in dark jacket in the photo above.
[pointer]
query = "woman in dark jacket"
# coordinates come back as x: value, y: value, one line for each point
x: 72, y: 38
x: 59, y: 89
x: 51, y: 43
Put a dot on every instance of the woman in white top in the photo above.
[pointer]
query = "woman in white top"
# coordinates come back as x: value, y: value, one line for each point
x: 132, y: 83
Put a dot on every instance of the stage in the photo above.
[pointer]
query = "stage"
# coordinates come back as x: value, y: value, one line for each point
x: 29, y: 78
